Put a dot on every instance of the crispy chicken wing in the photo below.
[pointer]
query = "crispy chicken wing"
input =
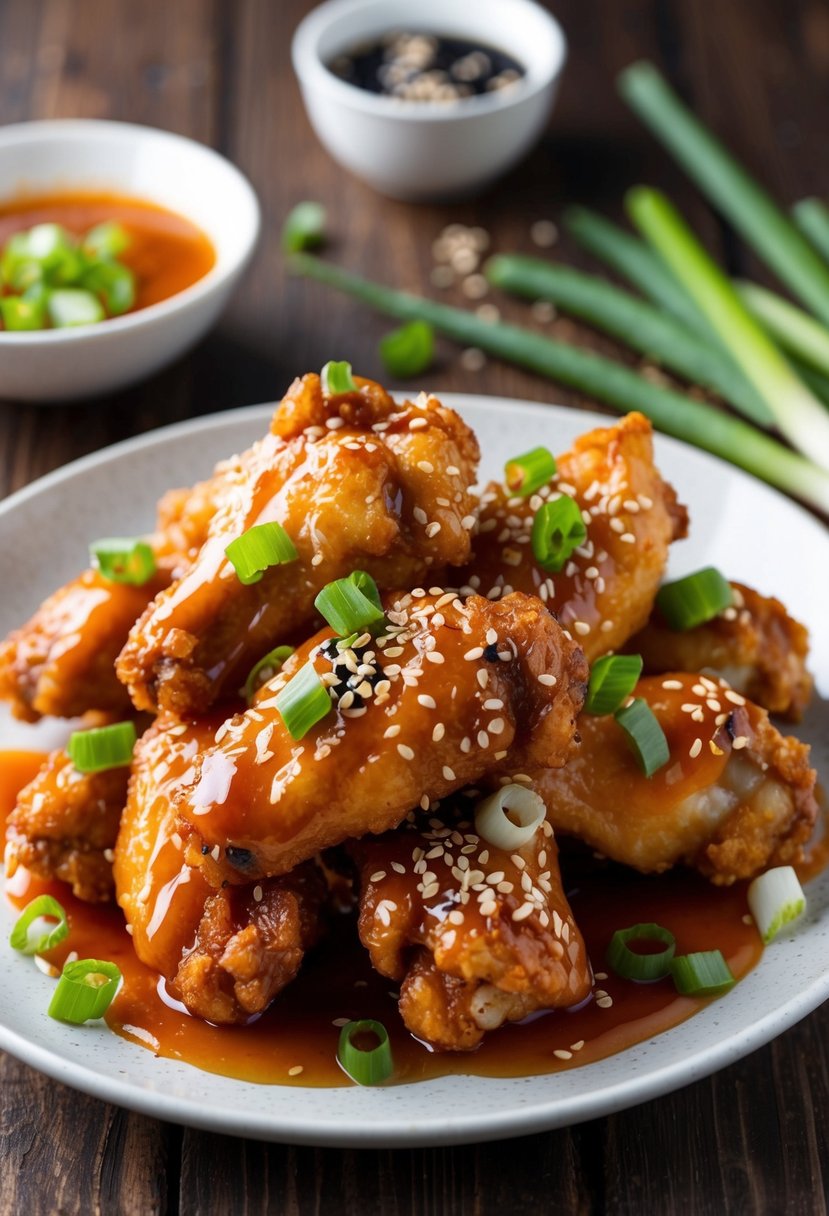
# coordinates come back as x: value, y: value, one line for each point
x: 357, y: 482
x: 735, y: 797
x: 754, y: 644
x: 447, y: 693
x: 605, y: 591
x: 477, y: 935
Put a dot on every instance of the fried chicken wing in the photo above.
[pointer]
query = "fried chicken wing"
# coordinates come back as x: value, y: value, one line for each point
x: 478, y: 936
x: 735, y: 796
x: 754, y: 644
x: 606, y: 590
x: 445, y: 694
x: 357, y: 482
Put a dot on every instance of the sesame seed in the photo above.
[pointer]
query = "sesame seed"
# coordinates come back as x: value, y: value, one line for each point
x: 672, y: 685
x: 296, y: 1070
x: 475, y: 653
x: 432, y: 529
x: 420, y: 515
x: 695, y: 749
x: 473, y: 359
x: 483, y: 739
x: 488, y: 907
x: 425, y: 466
x: 577, y: 1046
x: 600, y: 975
x: 434, y: 656
x: 547, y: 679
x: 405, y: 751
x: 340, y: 1021
x: 448, y: 773
x: 734, y: 697
x: 426, y: 701
x: 257, y: 894
x: 740, y: 742
x: 544, y: 233
x: 523, y: 912
x: 561, y: 1054
x: 378, y: 876
x: 604, y: 1002
x: 468, y: 522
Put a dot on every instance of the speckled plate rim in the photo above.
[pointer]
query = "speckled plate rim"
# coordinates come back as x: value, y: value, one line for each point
x: 791, y: 980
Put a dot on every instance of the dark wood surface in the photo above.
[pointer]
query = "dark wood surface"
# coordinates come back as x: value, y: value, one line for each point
x: 751, y: 1139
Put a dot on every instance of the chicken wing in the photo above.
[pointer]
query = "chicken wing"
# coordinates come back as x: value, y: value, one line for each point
x: 448, y: 692
x: 735, y: 797
x: 356, y: 482
x: 754, y: 644
x: 606, y: 590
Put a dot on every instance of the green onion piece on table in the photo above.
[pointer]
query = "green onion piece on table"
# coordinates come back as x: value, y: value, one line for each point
x: 255, y: 551
x: 364, y: 1052
x: 644, y: 735
x: 123, y: 559
x: 794, y: 330
x: 303, y: 701
x: 44, y: 907
x: 612, y: 680
x: 695, y: 599
x: 525, y: 474
x: 267, y: 667
x: 70, y: 306
x: 337, y: 379
x: 812, y: 218
x: 558, y: 530
x: 776, y: 899
x: 409, y: 350
x: 350, y: 604
x: 106, y: 240
x: 703, y: 974
x: 304, y: 228
x: 102, y: 747
x: 633, y: 965
x: 85, y: 990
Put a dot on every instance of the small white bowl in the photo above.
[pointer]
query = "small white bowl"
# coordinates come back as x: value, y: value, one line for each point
x: 186, y: 177
x: 420, y: 150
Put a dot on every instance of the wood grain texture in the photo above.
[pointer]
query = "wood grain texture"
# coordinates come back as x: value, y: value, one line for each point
x: 752, y: 1139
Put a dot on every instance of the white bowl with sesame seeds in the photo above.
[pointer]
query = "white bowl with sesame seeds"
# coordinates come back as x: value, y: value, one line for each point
x: 420, y: 149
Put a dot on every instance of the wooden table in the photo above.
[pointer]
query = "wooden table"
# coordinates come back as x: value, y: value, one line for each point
x: 753, y: 1138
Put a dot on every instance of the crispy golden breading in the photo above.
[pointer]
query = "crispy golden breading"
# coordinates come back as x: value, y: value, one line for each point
x: 606, y: 590
x: 448, y: 693
x: 358, y: 483
x: 735, y: 796
x: 755, y: 645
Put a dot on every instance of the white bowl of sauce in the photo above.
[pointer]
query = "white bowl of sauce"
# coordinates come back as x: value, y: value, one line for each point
x: 192, y: 220
x: 432, y: 134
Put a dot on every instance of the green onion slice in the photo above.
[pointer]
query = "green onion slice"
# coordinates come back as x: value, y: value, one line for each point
x: 558, y: 529
x: 526, y: 474
x: 337, y: 379
x: 69, y: 306
x: 632, y: 965
x: 26, y: 312
x: 265, y: 670
x: 304, y: 227
x: 113, y: 283
x: 645, y: 736
x: 703, y: 974
x: 85, y: 990
x: 776, y: 899
x: 695, y: 599
x: 255, y: 551
x: 44, y: 906
x: 612, y: 680
x: 367, y: 1065
x: 409, y: 350
x: 103, y: 747
x: 350, y: 604
x: 106, y: 240
x: 303, y: 701
x: 122, y: 559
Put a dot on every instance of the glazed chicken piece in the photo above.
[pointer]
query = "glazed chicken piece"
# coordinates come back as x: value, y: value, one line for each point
x: 478, y: 936
x: 606, y: 589
x: 735, y: 796
x: 447, y: 693
x: 356, y: 482
x: 754, y: 644
x: 226, y: 953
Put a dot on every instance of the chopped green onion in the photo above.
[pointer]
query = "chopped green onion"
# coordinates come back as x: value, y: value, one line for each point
x: 695, y: 599
x: 558, y: 529
x: 255, y: 551
x: 337, y: 379
x: 114, y: 283
x: 776, y: 899
x: 106, y: 240
x: 365, y: 1065
x: 103, y: 747
x: 18, y: 269
x: 69, y: 306
x: 612, y: 680
x: 812, y: 218
x: 51, y: 246
x: 703, y: 974
x: 350, y: 604
x: 632, y: 965
x: 44, y: 906
x: 21, y: 313
x: 645, y: 736
x: 303, y: 701
x: 122, y: 559
x: 408, y: 351
x: 794, y: 330
x: 85, y: 990
x: 265, y: 670
x: 304, y: 228
x: 526, y: 474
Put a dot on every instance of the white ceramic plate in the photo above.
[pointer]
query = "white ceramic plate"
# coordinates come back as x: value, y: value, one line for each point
x: 738, y: 524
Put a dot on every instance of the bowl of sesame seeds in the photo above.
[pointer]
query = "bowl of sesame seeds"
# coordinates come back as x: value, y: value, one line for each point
x: 428, y: 101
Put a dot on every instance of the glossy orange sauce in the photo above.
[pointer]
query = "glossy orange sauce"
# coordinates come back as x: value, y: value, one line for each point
x: 166, y: 253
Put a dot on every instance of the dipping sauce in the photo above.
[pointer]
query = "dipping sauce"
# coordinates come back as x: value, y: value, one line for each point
x: 427, y: 67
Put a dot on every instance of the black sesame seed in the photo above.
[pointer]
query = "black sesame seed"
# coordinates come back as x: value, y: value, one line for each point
x: 491, y: 653
x: 240, y: 859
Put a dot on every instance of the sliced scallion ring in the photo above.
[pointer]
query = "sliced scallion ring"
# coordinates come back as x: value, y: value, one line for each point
x: 509, y: 818
x: 695, y: 599
x: 337, y: 379
x: 255, y: 551
x: 106, y: 240
x: 303, y: 701
x: 69, y: 306
x: 409, y: 350
x: 123, y: 559
x: 44, y: 907
x: 85, y: 990
x: 645, y: 736
x: 350, y: 604
x: 612, y: 680
x: 526, y: 474
x: 369, y: 1064
x: 631, y: 964
x: 265, y: 670
x: 103, y: 747
x: 304, y: 227
x: 776, y: 899
x: 703, y: 974
x: 558, y: 529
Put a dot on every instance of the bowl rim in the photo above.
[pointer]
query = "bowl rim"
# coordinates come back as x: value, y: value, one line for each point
x: 313, y: 73
x: 220, y: 273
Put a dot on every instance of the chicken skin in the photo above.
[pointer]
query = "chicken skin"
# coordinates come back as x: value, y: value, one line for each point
x: 754, y: 644
x: 734, y: 798
x: 478, y: 936
x: 447, y: 693
x: 356, y: 482
x: 606, y: 589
